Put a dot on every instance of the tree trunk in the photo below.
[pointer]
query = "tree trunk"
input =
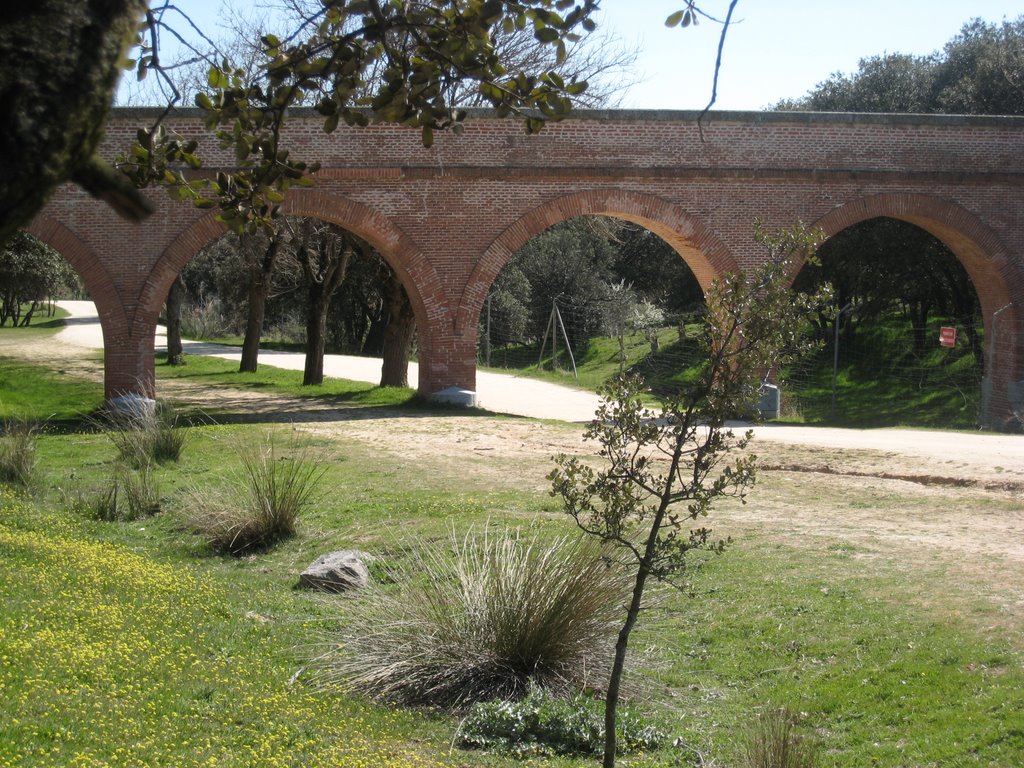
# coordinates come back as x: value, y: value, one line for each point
x: 919, y: 323
x: 175, y: 298
x: 397, y: 336
x: 316, y: 333
x: 611, y: 701
x: 27, y: 317
x: 253, y: 326
x: 323, y: 278
x: 260, y: 274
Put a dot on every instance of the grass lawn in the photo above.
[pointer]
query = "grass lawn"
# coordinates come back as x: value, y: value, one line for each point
x: 881, y: 381
x: 131, y: 644
x: 602, y: 361
x: 43, y: 394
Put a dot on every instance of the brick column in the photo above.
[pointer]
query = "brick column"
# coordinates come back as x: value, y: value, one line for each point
x: 1002, y: 389
x: 127, y: 357
x: 448, y: 361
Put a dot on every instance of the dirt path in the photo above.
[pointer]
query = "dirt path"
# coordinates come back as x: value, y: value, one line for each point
x: 924, y: 501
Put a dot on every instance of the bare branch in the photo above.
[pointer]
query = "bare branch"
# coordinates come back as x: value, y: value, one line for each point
x: 718, y: 68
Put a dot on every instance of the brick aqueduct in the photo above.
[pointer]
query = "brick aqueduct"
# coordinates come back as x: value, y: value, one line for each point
x: 449, y: 217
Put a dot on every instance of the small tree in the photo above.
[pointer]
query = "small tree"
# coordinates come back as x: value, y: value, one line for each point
x: 664, y: 471
x: 616, y: 313
x: 323, y: 251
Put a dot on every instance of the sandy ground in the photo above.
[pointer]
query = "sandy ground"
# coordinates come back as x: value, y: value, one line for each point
x: 913, y: 500
x: 984, y: 457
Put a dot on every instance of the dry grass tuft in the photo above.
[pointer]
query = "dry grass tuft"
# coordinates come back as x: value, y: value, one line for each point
x: 486, y: 620
x: 264, y: 504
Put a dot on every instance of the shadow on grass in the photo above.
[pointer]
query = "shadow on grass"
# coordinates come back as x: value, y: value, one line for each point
x: 347, y: 413
x: 287, y: 402
x: 57, y: 323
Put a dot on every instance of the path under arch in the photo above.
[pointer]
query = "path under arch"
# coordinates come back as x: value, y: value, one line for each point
x: 516, y: 396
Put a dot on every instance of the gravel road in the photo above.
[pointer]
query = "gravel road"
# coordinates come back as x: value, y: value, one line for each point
x: 934, y: 449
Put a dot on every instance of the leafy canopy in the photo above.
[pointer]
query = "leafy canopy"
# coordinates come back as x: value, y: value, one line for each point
x: 30, y: 272
x: 978, y: 72
x: 360, y: 62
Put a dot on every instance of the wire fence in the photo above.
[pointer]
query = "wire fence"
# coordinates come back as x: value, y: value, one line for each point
x: 865, y: 373
x: 890, y: 372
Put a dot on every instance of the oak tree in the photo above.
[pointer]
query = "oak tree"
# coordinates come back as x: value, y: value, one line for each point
x: 662, y: 472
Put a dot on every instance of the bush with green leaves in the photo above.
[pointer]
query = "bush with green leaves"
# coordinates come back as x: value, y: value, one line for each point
x: 540, y: 724
x: 264, y: 503
x: 488, y: 619
x: 17, y: 453
x: 30, y: 273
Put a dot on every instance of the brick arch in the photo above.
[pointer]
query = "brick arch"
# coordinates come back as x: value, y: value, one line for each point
x: 87, y: 265
x: 416, y: 273
x: 403, y: 255
x: 702, y: 251
x: 980, y: 251
x: 991, y: 267
x: 172, y: 261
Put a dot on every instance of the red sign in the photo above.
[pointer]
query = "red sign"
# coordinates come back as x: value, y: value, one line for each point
x: 947, y: 336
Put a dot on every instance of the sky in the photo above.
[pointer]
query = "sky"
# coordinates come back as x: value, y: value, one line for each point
x: 775, y: 49
x: 778, y: 49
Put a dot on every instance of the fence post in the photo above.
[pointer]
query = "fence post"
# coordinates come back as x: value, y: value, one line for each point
x: 835, y: 355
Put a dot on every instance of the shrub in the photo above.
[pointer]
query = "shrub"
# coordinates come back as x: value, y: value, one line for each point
x: 486, y: 621
x: 205, y: 320
x: 17, y: 453
x: 263, y: 506
x: 774, y: 743
x: 542, y: 725
x: 139, y: 494
x: 98, y: 504
x: 144, y: 436
x: 132, y: 493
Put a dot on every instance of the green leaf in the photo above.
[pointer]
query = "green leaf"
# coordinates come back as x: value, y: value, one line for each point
x: 491, y: 11
x: 674, y: 19
x: 546, y: 35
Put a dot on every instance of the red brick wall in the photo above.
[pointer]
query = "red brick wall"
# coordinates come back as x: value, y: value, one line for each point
x: 447, y: 218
